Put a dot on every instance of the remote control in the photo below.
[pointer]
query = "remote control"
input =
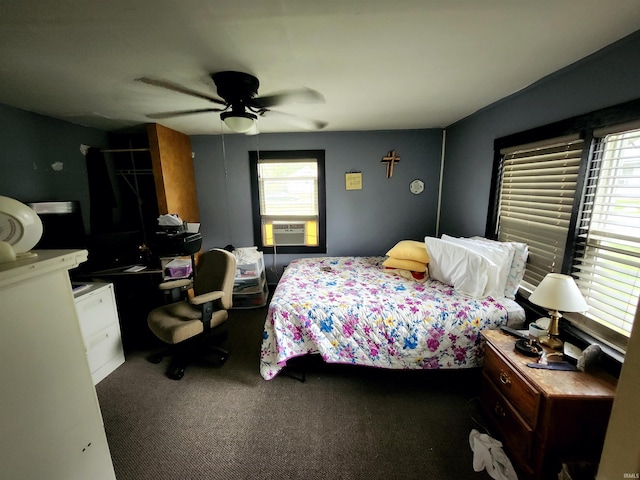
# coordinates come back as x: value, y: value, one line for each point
x: 515, y: 333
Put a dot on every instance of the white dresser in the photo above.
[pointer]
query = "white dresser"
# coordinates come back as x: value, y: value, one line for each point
x: 98, y: 316
x: 50, y: 421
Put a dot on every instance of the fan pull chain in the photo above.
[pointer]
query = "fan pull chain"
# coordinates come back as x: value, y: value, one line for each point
x: 226, y: 190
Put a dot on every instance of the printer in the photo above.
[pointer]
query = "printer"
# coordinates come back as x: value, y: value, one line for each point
x: 177, y: 238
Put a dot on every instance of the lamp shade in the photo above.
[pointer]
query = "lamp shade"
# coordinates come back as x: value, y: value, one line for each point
x: 559, y: 292
x: 240, y: 122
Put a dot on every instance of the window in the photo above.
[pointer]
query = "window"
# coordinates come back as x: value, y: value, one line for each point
x: 608, y: 249
x: 536, y: 201
x: 571, y: 191
x: 288, y: 195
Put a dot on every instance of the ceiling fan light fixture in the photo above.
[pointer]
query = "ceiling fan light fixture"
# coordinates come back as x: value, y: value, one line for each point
x: 240, y: 122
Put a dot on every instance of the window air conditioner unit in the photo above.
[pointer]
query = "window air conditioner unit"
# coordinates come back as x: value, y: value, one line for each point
x: 289, y: 233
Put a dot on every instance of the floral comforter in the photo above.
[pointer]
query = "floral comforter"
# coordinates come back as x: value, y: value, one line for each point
x: 350, y: 310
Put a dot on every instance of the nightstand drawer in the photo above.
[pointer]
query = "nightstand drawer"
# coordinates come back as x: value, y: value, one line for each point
x: 510, y: 384
x: 515, y: 433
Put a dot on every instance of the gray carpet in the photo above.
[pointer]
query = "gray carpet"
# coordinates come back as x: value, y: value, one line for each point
x: 344, y: 422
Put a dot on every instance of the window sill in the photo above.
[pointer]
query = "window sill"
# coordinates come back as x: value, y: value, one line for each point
x: 612, y: 359
x: 288, y: 249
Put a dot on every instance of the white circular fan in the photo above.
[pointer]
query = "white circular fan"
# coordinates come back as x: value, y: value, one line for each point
x: 20, y: 226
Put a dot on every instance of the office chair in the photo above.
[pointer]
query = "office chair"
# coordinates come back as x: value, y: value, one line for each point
x: 186, y: 325
x: 176, y: 290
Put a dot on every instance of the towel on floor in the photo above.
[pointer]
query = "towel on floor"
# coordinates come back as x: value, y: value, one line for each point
x: 488, y: 454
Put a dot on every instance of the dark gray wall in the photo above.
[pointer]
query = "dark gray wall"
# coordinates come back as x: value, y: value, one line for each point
x: 360, y: 222
x: 30, y: 144
x: 606, y: 78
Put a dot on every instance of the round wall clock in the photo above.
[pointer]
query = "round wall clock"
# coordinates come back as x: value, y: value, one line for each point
x: 416, y: 187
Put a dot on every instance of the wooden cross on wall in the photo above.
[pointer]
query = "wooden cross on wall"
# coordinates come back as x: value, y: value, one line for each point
x: 391, y: 159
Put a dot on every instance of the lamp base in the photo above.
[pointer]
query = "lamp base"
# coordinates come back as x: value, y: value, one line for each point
x: 551, y: 342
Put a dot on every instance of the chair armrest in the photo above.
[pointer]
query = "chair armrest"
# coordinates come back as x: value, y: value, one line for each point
x: 205, y: 302
x: 184, y: 282
x: 206, y: 297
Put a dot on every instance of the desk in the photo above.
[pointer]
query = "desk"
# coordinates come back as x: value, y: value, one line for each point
x: 122, y: 271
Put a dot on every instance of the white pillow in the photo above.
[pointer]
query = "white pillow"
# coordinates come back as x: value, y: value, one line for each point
x: 467, y: 271
x: 518, y: 266
x: 499, y: 253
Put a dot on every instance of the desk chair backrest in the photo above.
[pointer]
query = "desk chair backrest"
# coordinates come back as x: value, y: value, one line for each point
x: 216, y: 272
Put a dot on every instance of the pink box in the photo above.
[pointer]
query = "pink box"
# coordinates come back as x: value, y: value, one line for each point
x: 178, y: 268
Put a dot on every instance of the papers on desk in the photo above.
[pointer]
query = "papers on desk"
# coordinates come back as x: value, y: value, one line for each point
x: 135, y: 268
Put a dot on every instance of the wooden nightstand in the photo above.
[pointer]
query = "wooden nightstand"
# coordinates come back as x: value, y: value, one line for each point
x: 542, y: 416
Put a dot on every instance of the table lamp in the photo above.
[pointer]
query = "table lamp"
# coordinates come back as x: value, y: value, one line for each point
x: 557, y: 292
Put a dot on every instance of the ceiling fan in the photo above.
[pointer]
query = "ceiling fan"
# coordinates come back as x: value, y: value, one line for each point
x: 240, y: 106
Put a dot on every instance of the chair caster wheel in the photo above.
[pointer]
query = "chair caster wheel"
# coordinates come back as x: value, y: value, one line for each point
x: 155, y: 358
x: 176, y: 374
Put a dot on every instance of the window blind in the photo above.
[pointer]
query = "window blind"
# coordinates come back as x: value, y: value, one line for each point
x: 288, y: 189
x: 537, y: 190
x: 608, y: 249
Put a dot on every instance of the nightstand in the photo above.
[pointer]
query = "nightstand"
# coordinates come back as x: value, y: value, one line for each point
x: 542, y: 416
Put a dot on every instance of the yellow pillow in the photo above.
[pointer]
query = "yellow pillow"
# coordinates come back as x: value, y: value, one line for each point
x: 410, y: 250
x: 405, y: 264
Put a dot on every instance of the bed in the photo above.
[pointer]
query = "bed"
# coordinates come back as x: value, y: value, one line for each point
x: 352, y: 310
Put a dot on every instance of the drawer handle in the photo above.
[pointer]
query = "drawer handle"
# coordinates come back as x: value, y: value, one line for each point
x: 504, y: 378
x: 98, y: 340
x: 499, y: 410
x: 93, y: 304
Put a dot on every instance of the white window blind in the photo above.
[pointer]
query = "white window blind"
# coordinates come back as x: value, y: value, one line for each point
x: 608, y: 250
x: 537, y: 190
x: 288, y: 188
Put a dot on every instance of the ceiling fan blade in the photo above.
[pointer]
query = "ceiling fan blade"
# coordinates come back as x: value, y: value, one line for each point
x: 178, y: 88
x: 306, y: 123
x: 303, y: 95
x: 180, y: 113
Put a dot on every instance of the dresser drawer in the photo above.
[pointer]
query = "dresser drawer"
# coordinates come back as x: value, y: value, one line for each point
x: 516, y: 435
x: 512, y: 386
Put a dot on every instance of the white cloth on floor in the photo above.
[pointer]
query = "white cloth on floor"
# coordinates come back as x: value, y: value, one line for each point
x: 488, y: 454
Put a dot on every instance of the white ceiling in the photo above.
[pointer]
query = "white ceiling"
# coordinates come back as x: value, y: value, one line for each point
x: 380, y: 64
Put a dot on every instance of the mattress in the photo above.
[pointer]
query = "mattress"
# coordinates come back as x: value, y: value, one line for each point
x: 352, y: 310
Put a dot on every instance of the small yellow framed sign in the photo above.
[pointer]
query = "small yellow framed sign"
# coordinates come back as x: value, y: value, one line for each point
x: 353, y: 180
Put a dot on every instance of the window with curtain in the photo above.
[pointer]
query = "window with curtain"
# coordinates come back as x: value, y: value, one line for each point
x: 288, y: 200
x: 571, y: 191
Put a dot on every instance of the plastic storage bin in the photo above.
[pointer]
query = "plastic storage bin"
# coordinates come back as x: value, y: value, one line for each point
x: 178, y: 268
x: 247, y: 284
x: 250, y: 263
x: 252, y: 299
x: 250, y: 288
